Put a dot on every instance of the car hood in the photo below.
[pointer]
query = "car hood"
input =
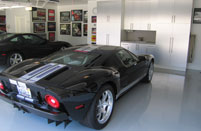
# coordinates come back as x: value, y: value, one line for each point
x: 52, y: 74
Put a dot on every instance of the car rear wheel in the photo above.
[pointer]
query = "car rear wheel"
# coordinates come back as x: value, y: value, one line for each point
x: 63, y: 48
x: 150, y: 73
x: 14, y: 58
x: 101, y: 109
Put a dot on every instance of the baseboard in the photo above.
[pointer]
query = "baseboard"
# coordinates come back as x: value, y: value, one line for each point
x: 170, y: 71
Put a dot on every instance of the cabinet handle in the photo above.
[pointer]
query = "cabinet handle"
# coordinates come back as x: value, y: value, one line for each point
x: 149, y: 26
x: 172, y: 44
x: 172, y: 19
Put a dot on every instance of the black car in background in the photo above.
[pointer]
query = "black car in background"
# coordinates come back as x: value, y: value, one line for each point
x: 79, y: 83
x: 14, y: 48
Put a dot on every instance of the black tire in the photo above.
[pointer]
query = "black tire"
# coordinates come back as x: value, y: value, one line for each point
x: 147, y: 78
x: 91, y: 117
x: 10, y: 56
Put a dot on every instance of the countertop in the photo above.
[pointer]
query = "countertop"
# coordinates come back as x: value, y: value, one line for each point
x: 139, y: 42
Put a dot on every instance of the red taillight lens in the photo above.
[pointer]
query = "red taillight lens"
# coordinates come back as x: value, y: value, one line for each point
x: 52, y: 101
x: 1, y: 86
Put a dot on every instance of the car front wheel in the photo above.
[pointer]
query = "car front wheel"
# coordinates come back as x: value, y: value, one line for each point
x: 101, y: 108
x: 150, y: 73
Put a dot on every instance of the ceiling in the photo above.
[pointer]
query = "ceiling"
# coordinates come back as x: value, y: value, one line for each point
x: 38, y: 3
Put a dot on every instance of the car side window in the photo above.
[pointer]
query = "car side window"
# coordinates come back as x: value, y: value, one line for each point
x: 16, y: 40
x: 32, y: 39
x: 125, y: 58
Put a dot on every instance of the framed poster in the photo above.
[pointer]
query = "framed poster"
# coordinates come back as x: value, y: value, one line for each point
x: 93, y: 19
x: 51, y: 36
x: 76, y: 15
x: 93, y: 38
x: 38, y: 14
x: 51, y: 15
x: 85, y: 16
x: 2, y: 19
x: 39, y: 27
x: 85, y: 30
x: 93, y: 31
x: 197, y: 16
x: 3, y: 28
x: 77, y: 29
x: 65, y: 17
x: 65, y: 29
x: 51, y: 26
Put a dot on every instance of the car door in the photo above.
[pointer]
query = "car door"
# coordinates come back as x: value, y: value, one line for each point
x: 128, y: 69
x: 36, y: 47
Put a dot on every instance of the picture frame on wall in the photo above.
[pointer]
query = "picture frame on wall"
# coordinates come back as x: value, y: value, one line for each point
x: 51, y: 15
x: 85, y: 29
x: 65, y: 29
x: 51, y: 26
x: 39, y: 27
x: 38, y: 14
x: 77, y: 29
x: 93, y: 31
x: 65, y: 17
x: 51, y: 36
x: 2, y: 19
x: 76, y: 15
x: 85, y: 16
x: 93, y: 19
x: 197, y: 16
x: 3, y: 28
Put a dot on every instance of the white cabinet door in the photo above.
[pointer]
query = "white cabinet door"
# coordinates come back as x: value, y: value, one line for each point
x: 180, y: 43
x: 165, y: 11
x: 163, y: 44
x: 183, y: 11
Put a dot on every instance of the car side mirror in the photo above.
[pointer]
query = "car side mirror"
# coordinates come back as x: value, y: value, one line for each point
x: 141, y: 58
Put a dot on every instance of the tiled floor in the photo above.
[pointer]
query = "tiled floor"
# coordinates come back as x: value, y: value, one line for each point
x: 169, y: 103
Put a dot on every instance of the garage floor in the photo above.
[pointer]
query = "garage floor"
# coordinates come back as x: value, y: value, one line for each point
x: 170, y: 102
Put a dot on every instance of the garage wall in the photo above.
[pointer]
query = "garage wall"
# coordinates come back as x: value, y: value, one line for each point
x: 196, y: 29
x: 70, y: 38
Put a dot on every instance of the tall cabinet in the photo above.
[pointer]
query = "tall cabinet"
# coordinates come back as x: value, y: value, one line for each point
x: 109, y: 22
x: 173, y: 33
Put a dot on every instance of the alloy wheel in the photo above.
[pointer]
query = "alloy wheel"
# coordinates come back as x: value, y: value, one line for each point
x: 15, y: 58
x: 105, y: 106
x: 151, y: 71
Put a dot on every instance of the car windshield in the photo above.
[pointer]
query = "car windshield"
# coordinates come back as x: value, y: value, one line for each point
x: 5, y: 36
x: 70, y: 57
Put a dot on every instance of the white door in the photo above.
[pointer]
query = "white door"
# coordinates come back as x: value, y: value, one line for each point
x: 21, y: 25
x: 179, y: 49
x: 163, y: 44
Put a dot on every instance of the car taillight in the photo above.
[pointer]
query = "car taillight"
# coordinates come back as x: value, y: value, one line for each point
x: 1, y: 86
x: 52, y: 101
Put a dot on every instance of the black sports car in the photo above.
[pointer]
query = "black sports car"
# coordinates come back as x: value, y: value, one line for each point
x: 14, y: 48
x: 79, y: 83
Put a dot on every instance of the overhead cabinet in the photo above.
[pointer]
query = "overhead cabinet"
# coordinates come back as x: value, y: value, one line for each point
x: 174, y: 11
x: 109, y: 22
x: 140, y: 15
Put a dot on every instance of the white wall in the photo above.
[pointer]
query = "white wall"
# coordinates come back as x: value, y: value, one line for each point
x: 196, y: 29
x: 92, y: 11
x: 2, y: 12
x: 70, y: 38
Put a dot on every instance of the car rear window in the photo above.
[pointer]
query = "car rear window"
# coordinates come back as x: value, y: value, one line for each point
x: 5, y: 36
x: 70, y: 57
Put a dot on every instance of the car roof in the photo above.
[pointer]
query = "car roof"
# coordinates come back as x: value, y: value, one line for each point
x: 100, y: 49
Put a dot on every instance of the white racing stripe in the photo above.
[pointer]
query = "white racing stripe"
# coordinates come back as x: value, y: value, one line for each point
x: 36, y: 71
x: 41, y: 72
